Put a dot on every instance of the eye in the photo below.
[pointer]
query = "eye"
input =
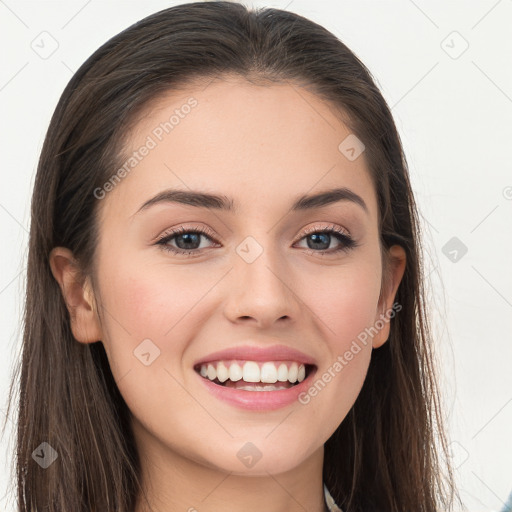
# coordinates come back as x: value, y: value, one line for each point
x: 188, y: 241
x: 321, y: 238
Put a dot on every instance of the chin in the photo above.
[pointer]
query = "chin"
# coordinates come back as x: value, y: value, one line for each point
x: 258, y: 458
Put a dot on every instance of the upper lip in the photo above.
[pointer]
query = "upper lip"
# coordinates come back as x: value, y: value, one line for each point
x: 255, y: 353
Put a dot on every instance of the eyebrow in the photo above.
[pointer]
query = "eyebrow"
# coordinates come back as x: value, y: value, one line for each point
x: 222, y: 202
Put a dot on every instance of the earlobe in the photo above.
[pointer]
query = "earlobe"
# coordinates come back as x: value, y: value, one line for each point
x: 78, y: 295
x: 396, y: 268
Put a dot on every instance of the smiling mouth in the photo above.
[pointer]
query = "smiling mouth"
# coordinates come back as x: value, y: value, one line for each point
x: 255, y: 375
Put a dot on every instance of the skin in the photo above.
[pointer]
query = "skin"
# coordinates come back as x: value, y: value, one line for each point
x: 262, y: 146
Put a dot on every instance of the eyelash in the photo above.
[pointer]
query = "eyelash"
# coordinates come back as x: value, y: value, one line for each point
x: 347, y: 242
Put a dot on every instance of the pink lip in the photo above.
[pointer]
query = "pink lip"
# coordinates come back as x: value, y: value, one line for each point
x: 259, y: 400
x: 252, y: 353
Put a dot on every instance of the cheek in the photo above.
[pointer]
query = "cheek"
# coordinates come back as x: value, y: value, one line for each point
x: 344, y: 301
x: 151, y: 308
x: 150, y: 301
x: 150, y: 314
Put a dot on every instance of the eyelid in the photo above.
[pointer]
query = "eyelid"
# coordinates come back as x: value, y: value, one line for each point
x: 183, y: 228
x: 318, y: 227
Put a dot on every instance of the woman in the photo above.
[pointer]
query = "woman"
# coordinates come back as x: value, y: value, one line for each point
x: 225, y: 307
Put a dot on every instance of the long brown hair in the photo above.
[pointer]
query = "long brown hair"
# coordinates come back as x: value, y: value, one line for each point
x: 390, y: 452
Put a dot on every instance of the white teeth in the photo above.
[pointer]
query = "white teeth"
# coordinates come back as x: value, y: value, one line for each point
x: 266, y: 387
x: 293, y: 372
x: 301, y: 375
x: 282, y: 373
x: 212, y: 372
x: 251, y: 372
x: 235, y: 372
x: 222, y: 372
x: 268, y: 373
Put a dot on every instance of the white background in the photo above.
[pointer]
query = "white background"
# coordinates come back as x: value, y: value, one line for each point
x: 453, y: 110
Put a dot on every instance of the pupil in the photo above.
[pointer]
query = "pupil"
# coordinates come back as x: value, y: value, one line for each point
x: 316, y: 237
x: 187, y: 236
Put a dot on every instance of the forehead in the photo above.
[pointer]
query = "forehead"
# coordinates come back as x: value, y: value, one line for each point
x: 255, y: 143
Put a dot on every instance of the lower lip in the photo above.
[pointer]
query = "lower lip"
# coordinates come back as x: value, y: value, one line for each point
x: 258, y: 400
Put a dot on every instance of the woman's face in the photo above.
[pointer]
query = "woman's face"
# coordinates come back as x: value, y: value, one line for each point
x: 258, y: 283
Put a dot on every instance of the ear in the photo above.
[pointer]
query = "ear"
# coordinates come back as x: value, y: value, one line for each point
x: 78, y: 295
x: 393, y: 273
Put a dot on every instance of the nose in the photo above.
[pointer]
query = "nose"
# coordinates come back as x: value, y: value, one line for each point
x: 261, y: 292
